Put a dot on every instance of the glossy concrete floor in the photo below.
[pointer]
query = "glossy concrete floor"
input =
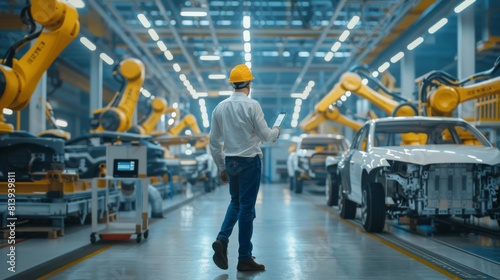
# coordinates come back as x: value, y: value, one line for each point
x: 294, y: 237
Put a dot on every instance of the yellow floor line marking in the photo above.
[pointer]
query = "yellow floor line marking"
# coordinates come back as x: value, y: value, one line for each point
x: 409, y: 254
x: 57, y: 271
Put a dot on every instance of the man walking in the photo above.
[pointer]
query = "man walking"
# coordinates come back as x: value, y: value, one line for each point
x: 239, y: 120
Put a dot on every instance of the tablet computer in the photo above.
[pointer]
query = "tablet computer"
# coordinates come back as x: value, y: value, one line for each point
x: 279, y: 119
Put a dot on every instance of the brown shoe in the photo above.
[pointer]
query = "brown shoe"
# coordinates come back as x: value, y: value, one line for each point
x: 220, y: 254
x: 250, y: 265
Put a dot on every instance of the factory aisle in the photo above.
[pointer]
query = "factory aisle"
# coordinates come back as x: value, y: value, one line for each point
x: 294, y: 237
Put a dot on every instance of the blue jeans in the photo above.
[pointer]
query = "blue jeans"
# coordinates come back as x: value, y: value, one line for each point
x: 244, y: 181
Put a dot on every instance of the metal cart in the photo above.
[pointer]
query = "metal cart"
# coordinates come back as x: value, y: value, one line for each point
x: 119, y: 229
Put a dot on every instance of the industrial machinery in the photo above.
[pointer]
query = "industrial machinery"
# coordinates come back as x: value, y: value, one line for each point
x: 314, y: 119
x: 148, y: 125
x: 352, y: 82
x: 43, y: 187
x: 440, y: 93
x: 117, y: 115
x: 187, y: 155
x: 55, y: 131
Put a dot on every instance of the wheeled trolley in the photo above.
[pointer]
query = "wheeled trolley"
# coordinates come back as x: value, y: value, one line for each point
x: 121, y: 228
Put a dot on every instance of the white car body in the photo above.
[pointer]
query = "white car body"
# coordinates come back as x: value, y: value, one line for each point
x: 441, y: 177
x: 307, y: 163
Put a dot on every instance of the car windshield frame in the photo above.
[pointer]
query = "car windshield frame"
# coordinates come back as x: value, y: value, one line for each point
x: 312, y: 143
x: 432, y: 128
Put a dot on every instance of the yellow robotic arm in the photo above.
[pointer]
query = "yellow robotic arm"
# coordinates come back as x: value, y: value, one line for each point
x: 60, y: 27
x: 313, y: 120
x: 440, y: 93
x: 117, y: 116
x: 55, y: 130
x: 445, y: 99
x: 352, y: 82
x: 158, y: 108
x: 189, y: 121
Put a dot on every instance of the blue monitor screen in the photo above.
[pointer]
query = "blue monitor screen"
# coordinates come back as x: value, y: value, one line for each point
x: 125, y: 166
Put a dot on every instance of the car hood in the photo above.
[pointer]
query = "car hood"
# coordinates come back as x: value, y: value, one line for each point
x: 434, y: 154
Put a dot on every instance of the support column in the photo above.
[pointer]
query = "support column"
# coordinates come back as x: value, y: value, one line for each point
x: 466, y: 55
x: 36, y: 110
x: 408, y: 76
x: 95, y: 82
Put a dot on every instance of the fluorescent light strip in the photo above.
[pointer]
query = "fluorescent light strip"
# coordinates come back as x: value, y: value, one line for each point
x: 246, y: 22
x: 438, y: 25
x: 106, y: 58
x: 344, y: 35
x: 153, y: 34
x: 248, y: 57
x: 161, y: 46
x: 217, y: 76
x: 193, y: 13
x: 328, y: 56
x: 182, y: 77
x: 144, y: 20
x: 311, y: 84
x: 247, y: 47
x: 463, y: 6
x: 146, y: 93
x: 87, y: 43
x: 246, y: 36
x: 209, y: 57
x: 177, y: 67
x: 296, y: 95
x: 248, y: 64
x: 168, y: 55
x: 414, y: 44
x: 397, y: 57
x: 375, y: 74
x: 7, y: 111
x: 383, y: 67
x: 352, y: 23
x: 336, y: 46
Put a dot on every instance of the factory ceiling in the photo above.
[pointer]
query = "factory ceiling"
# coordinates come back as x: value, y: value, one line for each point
x: 298, y: 47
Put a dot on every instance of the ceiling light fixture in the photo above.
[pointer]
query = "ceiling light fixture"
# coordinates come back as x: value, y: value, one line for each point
x: 217, y: 76
x: 414, y: 44
x: 193, y: 12
x: 383, y: 67
x: 7, y: 111
x: 463, y: 6
x: 87, y: 43
x: 209, y: 57
x: 437, y: 26
x: 336, y: 46
x: 153, y: 34
x: 344, y: 35
x: 168, y: 55
x: 352, y: 23
x: 107, y: 58
x: 397, y: 57
x: 161, y: 46
x: 144, y: 20
x: 246, y: 36
x: 246, y: 22
x: 328, y: 56
x: 177, y: 67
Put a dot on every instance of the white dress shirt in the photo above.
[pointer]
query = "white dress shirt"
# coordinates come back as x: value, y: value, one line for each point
x: 239, y: 121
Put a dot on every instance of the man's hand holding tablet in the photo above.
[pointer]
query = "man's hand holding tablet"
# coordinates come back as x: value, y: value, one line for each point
x: 279, y: 121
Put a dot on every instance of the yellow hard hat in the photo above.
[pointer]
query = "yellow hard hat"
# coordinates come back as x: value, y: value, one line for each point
x: 240, y: 73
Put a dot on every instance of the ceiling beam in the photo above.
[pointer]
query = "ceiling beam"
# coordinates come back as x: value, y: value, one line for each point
x: 180, y: 43
x: 320, y: 40
x: 383, y: 31
x: 193, y: 32
x: 151, y: 63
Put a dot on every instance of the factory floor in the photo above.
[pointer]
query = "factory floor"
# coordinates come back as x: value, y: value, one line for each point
x: 295, y: 235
